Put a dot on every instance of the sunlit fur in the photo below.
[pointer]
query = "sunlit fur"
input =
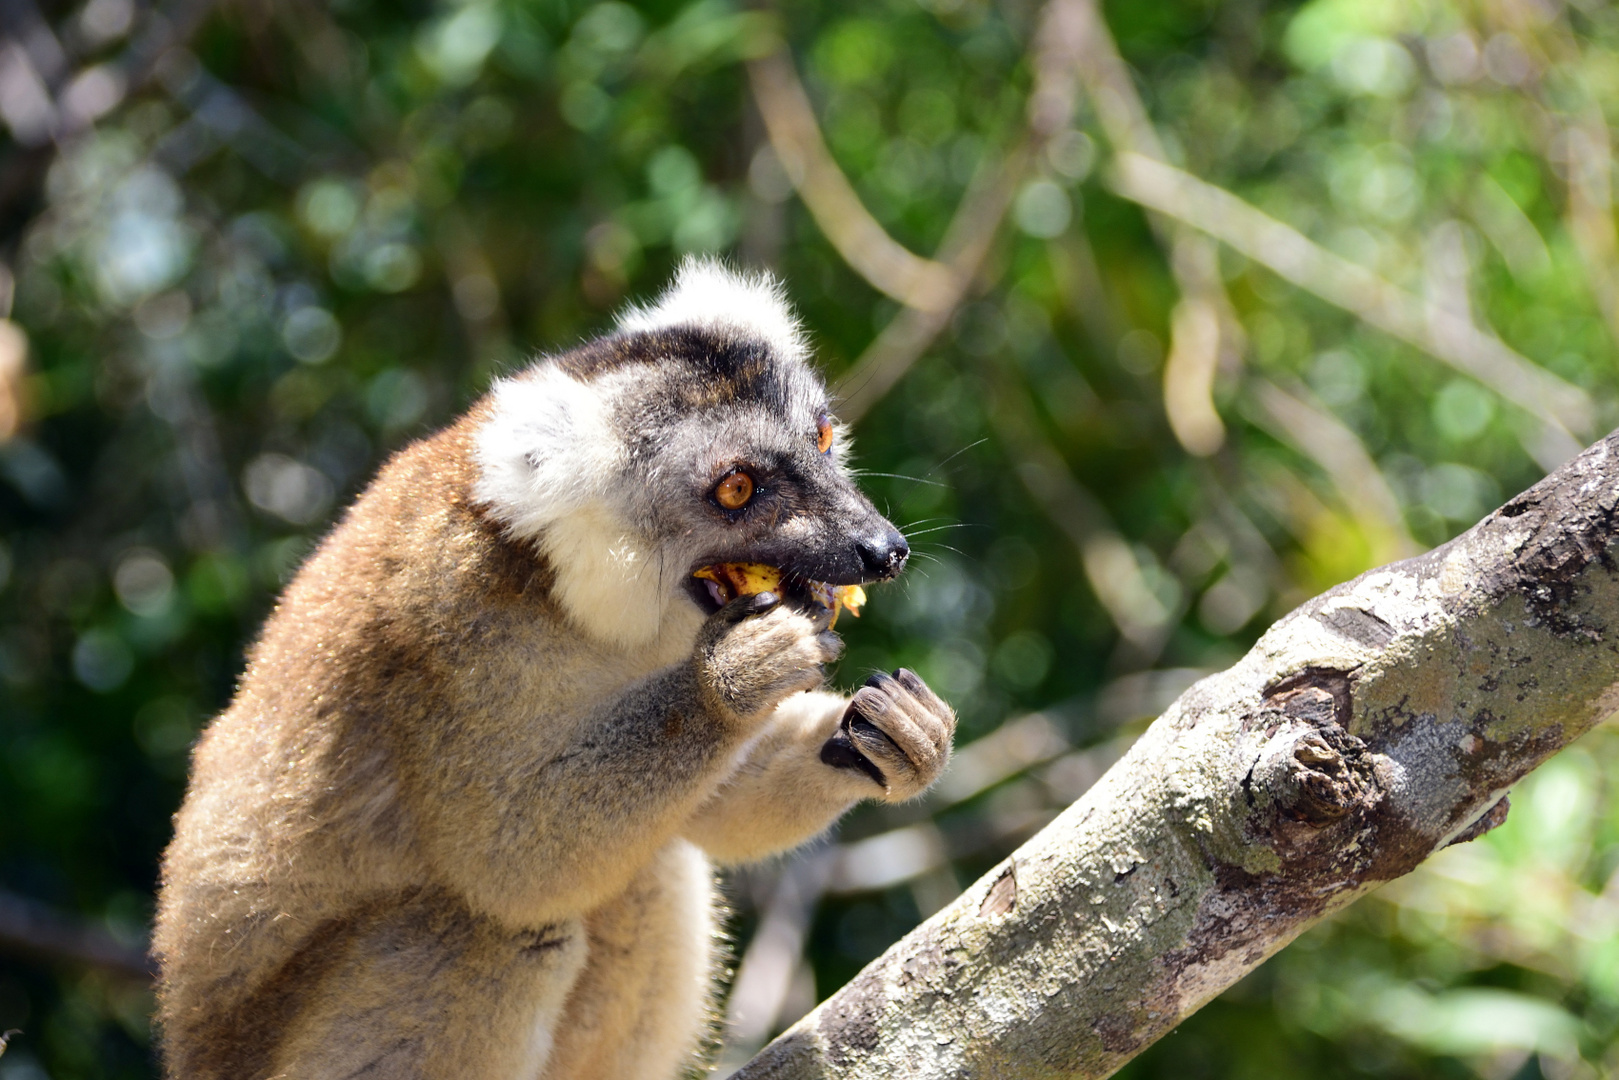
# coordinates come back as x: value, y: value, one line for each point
x: 706, y: 294
x: 546, y: 456
x: 457, y: 820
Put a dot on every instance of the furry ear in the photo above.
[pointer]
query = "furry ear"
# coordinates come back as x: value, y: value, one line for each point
x: 548, y: 461
x: 708, y: 294
x: 546, y: 450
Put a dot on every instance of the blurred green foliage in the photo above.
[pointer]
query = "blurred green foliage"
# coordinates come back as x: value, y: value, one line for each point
x: 316, y: 232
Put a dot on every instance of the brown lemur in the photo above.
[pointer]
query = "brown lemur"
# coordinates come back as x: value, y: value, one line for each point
x: 458, y: 819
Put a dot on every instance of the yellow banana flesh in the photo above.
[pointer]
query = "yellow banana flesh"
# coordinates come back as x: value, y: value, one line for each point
x: 746, y: 579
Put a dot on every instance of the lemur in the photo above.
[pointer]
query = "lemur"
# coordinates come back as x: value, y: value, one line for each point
x: 460, y: 816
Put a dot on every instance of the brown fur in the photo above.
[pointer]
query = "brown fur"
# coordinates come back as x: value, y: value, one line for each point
x: 340, y: 696
x: 440, y: 832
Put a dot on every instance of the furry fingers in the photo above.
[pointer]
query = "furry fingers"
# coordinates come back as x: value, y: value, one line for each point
x: 756, y: 652
x: 897, y: 731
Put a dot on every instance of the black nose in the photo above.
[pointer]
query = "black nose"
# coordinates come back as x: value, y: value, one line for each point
x: 885, y: 553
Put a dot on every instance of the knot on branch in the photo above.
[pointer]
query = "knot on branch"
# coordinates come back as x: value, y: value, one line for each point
x: 1315, y: 775
x: 1311, y: 772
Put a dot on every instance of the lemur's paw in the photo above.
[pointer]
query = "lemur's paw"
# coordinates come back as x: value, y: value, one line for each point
x: 756, y: 651
x: 897, y: 732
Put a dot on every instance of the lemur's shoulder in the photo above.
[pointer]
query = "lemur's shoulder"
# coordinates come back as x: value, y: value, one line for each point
x: 417, y: 535
x: 413, y: 580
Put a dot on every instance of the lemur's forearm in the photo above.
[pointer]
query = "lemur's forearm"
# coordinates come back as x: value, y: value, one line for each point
x: 638, y: 765
x: 564, y: 825
x: 780, y: 793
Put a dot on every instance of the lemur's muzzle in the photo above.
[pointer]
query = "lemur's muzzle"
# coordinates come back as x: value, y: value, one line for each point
x: 866, y: 551
x: 845, y: 542
x: 884, y: 553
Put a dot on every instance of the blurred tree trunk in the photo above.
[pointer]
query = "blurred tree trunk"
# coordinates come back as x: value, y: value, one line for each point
x: 1368, y: 729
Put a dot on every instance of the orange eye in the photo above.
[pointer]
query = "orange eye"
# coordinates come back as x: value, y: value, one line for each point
x: 734, y: 491
x: 823, y: 435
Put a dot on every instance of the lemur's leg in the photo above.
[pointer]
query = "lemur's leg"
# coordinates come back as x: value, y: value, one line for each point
x: 637, y: 1011
x: 422, y: 989
x: 820, y: 754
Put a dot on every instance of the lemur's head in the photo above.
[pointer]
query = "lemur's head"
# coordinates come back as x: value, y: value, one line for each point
x: 695, y: 434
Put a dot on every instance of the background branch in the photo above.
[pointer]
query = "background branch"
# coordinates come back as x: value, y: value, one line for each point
x: 930, y: 289
x: 1322, y: 437
x: 844, y: 220
x: 35, y: 930
x: 1441, y: 333
x: 966, y: 244
x: 1203, y: 326
x: 1109, y: 564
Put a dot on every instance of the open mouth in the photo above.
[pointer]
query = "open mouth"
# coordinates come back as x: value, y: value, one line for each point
x: 718, y: 584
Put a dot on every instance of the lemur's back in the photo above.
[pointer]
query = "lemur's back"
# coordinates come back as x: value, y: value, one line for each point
x: 294, y: 803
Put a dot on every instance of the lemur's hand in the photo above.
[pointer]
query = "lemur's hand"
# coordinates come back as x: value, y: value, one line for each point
x: 756, y: 651
x: 897, y: 732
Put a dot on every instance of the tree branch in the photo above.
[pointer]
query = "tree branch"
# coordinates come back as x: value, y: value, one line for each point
x: 796, y: 138
x: 966, y: 244
x: 1441, y: 333
x: 1324, y: 438
x: 1204, y: 329
x: 1366, y: 730
x: 1109, y: 563
x: 29, y: 928
x: 931, y: 289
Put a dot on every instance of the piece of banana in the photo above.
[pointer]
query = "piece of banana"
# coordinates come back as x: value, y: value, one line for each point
x: 743, y: 578
x: 746, y: 579
x: 839, y: 598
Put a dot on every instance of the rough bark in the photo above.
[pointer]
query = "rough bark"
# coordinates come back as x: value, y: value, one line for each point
x: 1366, y: 730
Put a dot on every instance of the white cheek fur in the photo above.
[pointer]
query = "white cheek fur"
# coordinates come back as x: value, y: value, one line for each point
x: 606, y: 578
x: 547, y: 460
x: 546, y: 450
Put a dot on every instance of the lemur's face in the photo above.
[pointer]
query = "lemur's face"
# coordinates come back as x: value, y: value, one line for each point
x: 761, y: 481
x: 698, y: 434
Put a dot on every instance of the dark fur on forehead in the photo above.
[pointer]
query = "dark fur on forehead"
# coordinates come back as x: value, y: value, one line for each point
x: 708, y: 368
